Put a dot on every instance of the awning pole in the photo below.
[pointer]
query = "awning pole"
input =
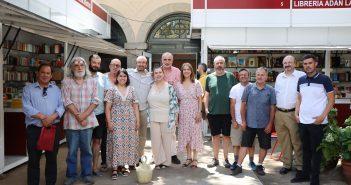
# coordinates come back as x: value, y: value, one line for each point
x: 6, y: 34
x: 12, y: 43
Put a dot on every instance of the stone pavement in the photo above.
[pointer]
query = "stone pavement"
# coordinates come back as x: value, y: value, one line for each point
x: 186, y: 176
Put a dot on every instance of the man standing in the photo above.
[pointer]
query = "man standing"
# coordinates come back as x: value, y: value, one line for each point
x: 80, y: 97
x: 217, y: 107
x: 172, y: 76
x: 257, y: 114
x: 43, y: 107
x: 99, y: 131
x: 141, y: 80
x: 202, y: 71
x: 236, y: 132
x: 285, y: 122
x: 314, y: 101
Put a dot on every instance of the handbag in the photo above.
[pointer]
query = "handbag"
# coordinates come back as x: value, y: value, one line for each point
x: 47, y: 138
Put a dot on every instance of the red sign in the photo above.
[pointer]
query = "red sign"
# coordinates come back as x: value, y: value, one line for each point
x: 242, y: 4
x: 299, y: 4
x: 85, y: 3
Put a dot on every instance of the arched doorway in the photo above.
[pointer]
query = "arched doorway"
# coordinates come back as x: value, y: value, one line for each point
x: 172, y: 34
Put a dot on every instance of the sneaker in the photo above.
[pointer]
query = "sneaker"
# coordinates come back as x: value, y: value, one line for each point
x: 214, y: 163
x: 252, y: 165
x: 97, y: 174
x: 88, y: 180
x: 237, y: 170
x: 226, y: 163
x: 300, y: 179
x: 284, y: 170
x: 103, y: 168
x: 234, y: 165
x: 260, y: 170
x: 70, y: 181
x: 175, y: 160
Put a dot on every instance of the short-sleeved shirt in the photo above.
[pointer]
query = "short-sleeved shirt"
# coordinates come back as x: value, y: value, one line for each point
x: 218, y: 88
x: 172, y: 75
x: 314, y: 99
x: 142, y: 84
x: 236, y: 93
x: 99, y: 77
x: 258, y: 105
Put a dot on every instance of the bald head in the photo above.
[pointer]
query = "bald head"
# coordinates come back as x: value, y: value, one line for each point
x: 115, y: 65
x: 141, y: 63
x: 289, y: 64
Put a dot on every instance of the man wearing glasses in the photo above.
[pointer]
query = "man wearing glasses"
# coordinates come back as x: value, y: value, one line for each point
x: 43, y: 107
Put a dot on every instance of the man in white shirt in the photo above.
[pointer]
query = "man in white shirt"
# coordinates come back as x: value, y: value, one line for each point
x: 235, y: 104
x: 141, y: 80
x: 285, y: 123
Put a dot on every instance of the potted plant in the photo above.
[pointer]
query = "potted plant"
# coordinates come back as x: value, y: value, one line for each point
x: 330, y: 144
x: 345, y: 141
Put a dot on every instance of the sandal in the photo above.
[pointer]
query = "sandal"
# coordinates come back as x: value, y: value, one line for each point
x: 103, y: 168
x: 125, y: 172
x: 194, y: 165
x: 187, y: 163
x: 114, y: 175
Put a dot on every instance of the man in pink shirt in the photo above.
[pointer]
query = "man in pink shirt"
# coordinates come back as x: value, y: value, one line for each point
x: 172, y: 76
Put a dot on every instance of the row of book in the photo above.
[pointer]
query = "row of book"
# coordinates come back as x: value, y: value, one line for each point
x: 40, y: 49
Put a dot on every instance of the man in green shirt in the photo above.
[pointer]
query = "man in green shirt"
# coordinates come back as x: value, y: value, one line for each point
x: 217, y: 108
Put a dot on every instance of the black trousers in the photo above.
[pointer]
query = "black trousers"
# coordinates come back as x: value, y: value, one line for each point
x: 34, y: 155
x: 103, y: 145
x: 311, y: 137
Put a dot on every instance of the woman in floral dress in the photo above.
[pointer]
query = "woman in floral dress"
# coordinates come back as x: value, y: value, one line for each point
x: 189, y: 94
x: 122, y: 116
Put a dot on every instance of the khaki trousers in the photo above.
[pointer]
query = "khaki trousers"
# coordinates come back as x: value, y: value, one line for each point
x: 289, y: 138
x: 161, y: 142
x: 142, y: 131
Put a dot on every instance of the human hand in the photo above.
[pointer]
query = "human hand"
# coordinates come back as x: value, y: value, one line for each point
x: 268, y: 128
x: 318, y: 119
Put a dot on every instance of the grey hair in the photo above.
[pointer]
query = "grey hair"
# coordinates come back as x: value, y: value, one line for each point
x: 263, y: 69
x: 167, y: 53
x: 69, y: 72
x: 218, y: 58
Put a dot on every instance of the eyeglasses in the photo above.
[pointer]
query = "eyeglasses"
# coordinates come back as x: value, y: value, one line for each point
x: 45, y: 91
x: 115, y: 65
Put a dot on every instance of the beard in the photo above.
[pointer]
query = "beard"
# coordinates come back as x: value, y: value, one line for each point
x: 79, y: 74
x: 93, y: 70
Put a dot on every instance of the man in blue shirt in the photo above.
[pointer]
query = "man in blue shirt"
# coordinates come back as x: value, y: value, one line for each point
x: 257, y: 113
x: 43, y: 107
x: 314, y: 101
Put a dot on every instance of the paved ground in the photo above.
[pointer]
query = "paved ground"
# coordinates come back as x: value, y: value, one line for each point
x: 178, y: 175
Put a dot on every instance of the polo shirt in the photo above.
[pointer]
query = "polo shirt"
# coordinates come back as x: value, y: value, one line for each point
x: 258, y: 105
x: 313, y: 91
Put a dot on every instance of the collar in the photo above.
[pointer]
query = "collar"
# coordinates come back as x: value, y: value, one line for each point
x: 36, y: 84
x: 255, y: 85
x: 136, y: 71
x: 203, y: 75
x: 314, y: 76
x: 293, y: 73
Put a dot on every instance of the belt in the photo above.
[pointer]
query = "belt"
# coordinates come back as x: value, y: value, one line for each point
x: 286, y: 110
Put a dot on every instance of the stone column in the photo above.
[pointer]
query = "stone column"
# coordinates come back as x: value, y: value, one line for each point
x: 134, y: 49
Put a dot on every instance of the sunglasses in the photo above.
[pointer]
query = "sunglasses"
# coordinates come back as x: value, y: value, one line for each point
x: 45, y: 91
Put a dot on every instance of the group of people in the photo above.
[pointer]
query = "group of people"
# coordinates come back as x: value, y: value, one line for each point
x: 110, y: 113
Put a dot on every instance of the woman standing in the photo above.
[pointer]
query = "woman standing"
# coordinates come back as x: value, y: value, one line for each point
x: 122, y: 117
x: 163, y: 112
x: 189, y: 94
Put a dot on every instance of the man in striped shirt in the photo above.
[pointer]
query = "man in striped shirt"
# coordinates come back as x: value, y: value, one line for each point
x: 80, y: 97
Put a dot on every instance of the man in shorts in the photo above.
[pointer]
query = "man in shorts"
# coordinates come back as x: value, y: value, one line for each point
x: 257, y: 113
x: 236, y: 130
x: 217, y: 108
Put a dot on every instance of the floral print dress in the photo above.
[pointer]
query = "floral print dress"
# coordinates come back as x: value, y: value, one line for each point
x: 189, y: 132
x: 122, y: 143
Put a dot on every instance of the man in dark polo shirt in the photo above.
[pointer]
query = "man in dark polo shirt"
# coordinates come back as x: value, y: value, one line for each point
x: 257, y: 114
x: 314, y: 101
x: 217, y: 108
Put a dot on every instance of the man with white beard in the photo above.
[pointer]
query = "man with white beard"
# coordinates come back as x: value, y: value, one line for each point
x: 80, y: 98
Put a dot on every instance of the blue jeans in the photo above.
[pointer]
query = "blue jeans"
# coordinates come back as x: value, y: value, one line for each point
x: 79, y: 139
